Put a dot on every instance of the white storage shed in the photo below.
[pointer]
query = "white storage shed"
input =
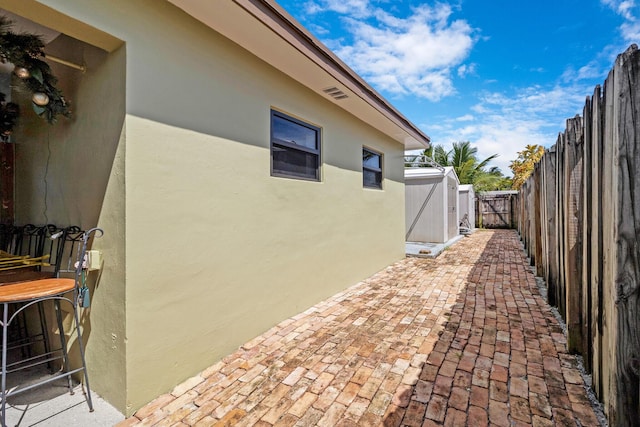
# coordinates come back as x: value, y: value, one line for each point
x: 431, y: 201
x: 467, y: 205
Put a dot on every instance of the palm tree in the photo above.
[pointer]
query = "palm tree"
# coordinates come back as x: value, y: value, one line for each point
x: 463, y: 158
x: 490, y: 180
x: 418, y: 160
x: 440, y: 156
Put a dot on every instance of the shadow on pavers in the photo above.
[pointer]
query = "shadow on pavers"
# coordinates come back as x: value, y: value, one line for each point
x: 476, y: 357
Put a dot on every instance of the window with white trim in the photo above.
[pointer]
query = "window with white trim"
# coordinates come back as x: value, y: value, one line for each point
x: 371, y: 169
x: 295, y: 148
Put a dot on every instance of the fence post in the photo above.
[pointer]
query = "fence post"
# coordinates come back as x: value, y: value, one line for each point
x: 572, y: 232
x: 595, y: 244
x: 551, y: 276
x: 625, y: 281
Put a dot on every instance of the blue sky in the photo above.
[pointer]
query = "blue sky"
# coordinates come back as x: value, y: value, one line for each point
x: 499, y: 73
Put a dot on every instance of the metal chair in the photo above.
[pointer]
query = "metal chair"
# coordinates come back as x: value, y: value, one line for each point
x: 28, y: 293
x: 46, y: 244
x: 6, y: 234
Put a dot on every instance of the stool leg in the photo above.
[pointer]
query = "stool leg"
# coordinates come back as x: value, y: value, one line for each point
x: 45, y: 331
x: 81, y: 348
x: 63, y: 342
x: 4, y: 363
x: 22, y: 330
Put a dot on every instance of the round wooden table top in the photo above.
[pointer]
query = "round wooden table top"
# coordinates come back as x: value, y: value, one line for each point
x: 33, y: 289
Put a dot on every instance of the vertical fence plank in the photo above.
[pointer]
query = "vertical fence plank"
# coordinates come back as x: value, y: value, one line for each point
x: 572, y: 236
x: 537, y: 226
x: 627, y: 274
x: 608, y: 253
x: 560, y: 290
x: 532, y: 220
x: 544, y: 234
x: 595, y: 243
x: 587, y: 226
x: 551, y: 276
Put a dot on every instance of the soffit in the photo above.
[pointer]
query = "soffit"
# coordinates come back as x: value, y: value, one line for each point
x: 267, y: 31
x: 61, y: 23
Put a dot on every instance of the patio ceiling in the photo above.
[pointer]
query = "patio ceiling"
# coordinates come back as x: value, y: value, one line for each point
x: 58, y: 22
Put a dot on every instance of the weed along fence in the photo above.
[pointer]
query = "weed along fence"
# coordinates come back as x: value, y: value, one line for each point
x: 579, y: 217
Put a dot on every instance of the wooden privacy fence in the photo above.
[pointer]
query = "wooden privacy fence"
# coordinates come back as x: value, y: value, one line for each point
x: 496, y: 209
x: 579, y: 217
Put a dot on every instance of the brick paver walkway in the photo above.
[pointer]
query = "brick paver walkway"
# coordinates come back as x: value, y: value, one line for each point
x: 464, y: 339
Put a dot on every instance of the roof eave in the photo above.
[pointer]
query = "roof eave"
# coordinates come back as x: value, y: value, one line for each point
x: 305, y: 53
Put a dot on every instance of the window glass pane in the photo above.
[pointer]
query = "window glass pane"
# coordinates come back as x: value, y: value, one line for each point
x: 370, y: 159
x: 290, y: 162
x: 295, y: 133
x: 371, y: 178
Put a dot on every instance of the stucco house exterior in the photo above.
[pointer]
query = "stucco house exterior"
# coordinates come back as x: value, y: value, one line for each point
x: 240, y: 170
x: 431, y: 208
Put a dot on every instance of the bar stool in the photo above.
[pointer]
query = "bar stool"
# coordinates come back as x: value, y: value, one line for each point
x: 33, y: 292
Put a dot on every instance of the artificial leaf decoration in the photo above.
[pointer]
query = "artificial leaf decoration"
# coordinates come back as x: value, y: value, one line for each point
x: 37, y: 74
x: 27, y: 51
x: 38, y: 109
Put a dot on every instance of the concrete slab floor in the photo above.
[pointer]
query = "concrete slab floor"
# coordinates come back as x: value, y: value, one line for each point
x: 52, y: 405
x: 429, y: 250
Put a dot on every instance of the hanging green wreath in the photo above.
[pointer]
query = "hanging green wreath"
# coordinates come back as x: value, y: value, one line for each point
x: 26, y: 52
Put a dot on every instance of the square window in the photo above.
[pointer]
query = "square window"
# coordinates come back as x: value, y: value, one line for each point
x: 371, y: 169
x: 295, y: 148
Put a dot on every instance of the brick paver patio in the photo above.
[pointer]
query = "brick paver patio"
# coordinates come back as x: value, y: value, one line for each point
x: 464, y: 339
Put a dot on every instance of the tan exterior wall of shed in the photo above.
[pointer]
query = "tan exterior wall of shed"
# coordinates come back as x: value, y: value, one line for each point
x: 217, y: 250
x: 431, y: 225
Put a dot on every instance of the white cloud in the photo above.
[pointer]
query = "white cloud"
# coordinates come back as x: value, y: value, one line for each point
x: 465, y: 70
x: 357, y: 8
x: 623, y: 8
x: 630, y: 29
x: 415, y: 55
x: 505, y: 123
x: 593, y: 70
x: 419, y: 55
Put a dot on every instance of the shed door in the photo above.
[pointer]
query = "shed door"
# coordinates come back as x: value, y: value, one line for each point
x: 452, y: 208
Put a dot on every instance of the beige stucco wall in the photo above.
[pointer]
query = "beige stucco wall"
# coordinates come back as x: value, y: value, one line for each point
x: 217, y: 250
x: 229, y: 251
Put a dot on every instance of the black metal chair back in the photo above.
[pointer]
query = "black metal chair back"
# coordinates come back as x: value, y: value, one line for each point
x: 68, y: 251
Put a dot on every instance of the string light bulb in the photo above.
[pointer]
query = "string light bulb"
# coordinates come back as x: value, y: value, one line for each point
x: 22, y: 72
x: 40, y: 98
